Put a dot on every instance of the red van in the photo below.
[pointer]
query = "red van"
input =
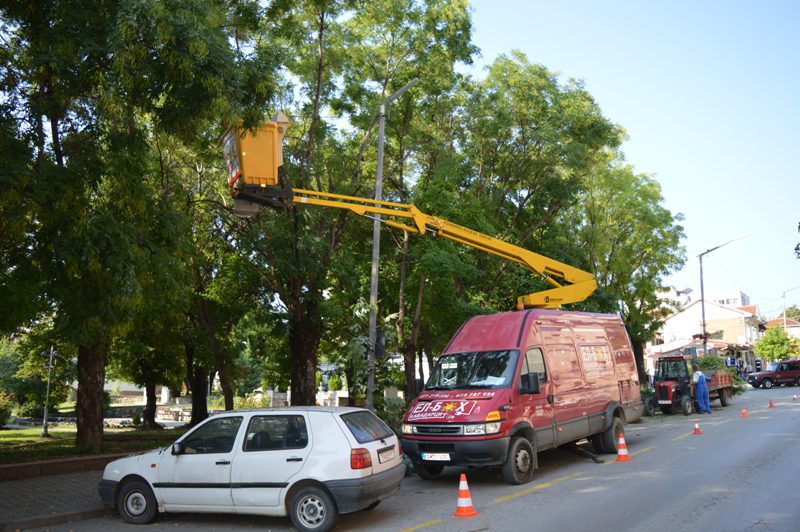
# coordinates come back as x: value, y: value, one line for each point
x: 512, y: 384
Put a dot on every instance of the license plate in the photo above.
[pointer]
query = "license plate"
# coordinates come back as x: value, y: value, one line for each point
x: 436, y: 457
x: 385, y: 456
x: 663, y: 402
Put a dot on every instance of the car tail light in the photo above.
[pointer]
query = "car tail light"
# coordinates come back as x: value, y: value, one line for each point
x: 360, y: 459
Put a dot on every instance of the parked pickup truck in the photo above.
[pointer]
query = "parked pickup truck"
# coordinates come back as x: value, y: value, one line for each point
x: 674, y: 387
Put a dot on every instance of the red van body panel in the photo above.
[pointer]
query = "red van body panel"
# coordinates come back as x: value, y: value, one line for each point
x: 589, y: 377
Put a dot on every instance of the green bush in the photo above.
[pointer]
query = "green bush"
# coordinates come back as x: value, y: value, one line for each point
x: 6, y: 405
x: 30, y: 409
x: 391, y: 411
x: 335, y: 383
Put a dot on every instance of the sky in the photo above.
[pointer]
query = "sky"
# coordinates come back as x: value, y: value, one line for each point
x: 708, y: 92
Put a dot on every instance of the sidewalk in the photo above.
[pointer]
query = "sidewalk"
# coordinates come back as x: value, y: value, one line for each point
x: 50, y: 499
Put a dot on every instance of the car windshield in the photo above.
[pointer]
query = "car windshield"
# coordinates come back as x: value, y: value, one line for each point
x: 474, y: 370
x: 772, y: 366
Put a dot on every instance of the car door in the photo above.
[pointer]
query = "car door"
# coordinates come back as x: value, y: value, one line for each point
x: 200, y: 475
x: 274, y: 449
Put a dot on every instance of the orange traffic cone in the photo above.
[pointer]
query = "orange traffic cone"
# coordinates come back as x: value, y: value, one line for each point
x: 464, y: 505
x: 697, y: 428
x: 622, y: 450
x: 744, y: 411
x: 770, y: 404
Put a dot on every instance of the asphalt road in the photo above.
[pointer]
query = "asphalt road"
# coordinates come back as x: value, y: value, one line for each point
x: 740, y: 474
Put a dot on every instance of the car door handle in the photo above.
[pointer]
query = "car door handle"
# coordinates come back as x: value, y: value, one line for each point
x: 223, y: 462
x: 294, y: 459
x: 550, y: 399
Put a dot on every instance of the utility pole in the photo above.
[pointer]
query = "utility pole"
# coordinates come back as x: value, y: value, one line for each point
x: 702, y: 291
x: 45, y: 434
x: 376, y: 251
x: 784, y: 305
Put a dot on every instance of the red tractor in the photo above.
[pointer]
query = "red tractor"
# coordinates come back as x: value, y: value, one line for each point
x: 674, y: 387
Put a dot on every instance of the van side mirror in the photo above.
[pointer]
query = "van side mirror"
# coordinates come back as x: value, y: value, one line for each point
x: 529, y: 383
x: 177, y: 448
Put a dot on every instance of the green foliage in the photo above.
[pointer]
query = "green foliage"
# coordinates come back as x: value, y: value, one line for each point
x: 136, y: 420
x: 334, y: 383
x: 776, y: 345
x: 7, y: 405
x: 717, y: 363
x: 392, y: 411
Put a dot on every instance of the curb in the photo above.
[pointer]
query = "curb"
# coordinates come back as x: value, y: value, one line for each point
x: 43, y: 521
x: 56, y: 467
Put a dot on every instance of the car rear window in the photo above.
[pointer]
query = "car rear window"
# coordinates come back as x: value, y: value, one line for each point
x: 366, y: 426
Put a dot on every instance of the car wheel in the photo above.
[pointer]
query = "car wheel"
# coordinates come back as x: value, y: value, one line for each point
x: 312, y: 509
x: 611, y: 436
x: 136, y: 503
x: 428, y: 471
x: 767, y: 384
x: 520, y: 462
x: 686, y: 405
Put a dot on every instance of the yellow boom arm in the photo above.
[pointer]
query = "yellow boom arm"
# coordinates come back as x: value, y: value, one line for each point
x: 580, y: 285
x: 253, y: 186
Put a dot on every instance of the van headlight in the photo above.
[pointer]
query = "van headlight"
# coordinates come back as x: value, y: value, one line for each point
x: 407, y: 428
x: 481, y: 429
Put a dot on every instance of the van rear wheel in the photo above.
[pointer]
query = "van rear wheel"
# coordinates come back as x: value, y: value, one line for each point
x: 611, y: 436
x: 520, y: 462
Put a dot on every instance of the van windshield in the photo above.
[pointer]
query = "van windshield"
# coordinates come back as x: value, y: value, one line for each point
x: 475, y: 370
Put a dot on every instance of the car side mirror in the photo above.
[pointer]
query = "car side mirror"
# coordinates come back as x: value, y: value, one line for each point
x: 177, y: 448
x: 529, y: 383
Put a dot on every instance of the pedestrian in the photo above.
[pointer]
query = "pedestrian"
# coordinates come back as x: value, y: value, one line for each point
x: 701, y: 392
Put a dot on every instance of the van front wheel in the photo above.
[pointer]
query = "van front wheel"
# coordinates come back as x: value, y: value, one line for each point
x: 519, y: 465
x: 428, y: 471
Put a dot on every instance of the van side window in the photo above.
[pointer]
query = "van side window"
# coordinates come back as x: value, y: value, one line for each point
x: 535, y: 363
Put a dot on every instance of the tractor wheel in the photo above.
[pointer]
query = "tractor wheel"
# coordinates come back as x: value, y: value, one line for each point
x: 686, y: 405
x: 650, y: 406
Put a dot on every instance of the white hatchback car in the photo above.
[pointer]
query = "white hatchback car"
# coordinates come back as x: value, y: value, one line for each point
x: 311, y: 463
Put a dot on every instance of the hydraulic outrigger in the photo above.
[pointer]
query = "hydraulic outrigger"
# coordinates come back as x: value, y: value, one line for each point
x: 255, y: 176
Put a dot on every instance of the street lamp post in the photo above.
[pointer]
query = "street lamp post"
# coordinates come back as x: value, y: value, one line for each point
x: 702, y: 291
x: 45, y: 434
x: 376, y: 242
x: 784, y: 305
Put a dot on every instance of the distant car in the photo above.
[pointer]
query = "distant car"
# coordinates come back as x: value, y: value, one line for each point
x: 786, y: 372
x: 311, y: 463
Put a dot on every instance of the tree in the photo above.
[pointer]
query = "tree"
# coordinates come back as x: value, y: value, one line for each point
x: 89, y: 87
x: 776, y: 345
x: 620, y: 231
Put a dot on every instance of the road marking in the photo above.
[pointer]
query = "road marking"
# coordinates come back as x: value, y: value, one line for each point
x: 676, y: 438
x: 640, y: 451
x: 536, y: 488
x: 423, y: 525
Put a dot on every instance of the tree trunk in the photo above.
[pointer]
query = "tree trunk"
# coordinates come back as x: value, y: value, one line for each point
x: 410, y: 345
x: 218, y: 351
x: 198, y: 387
x: 638, y: 354
x: 305, y: 332
x: 149, y: 414
x: 426, y: 344
x: 89, y: 409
